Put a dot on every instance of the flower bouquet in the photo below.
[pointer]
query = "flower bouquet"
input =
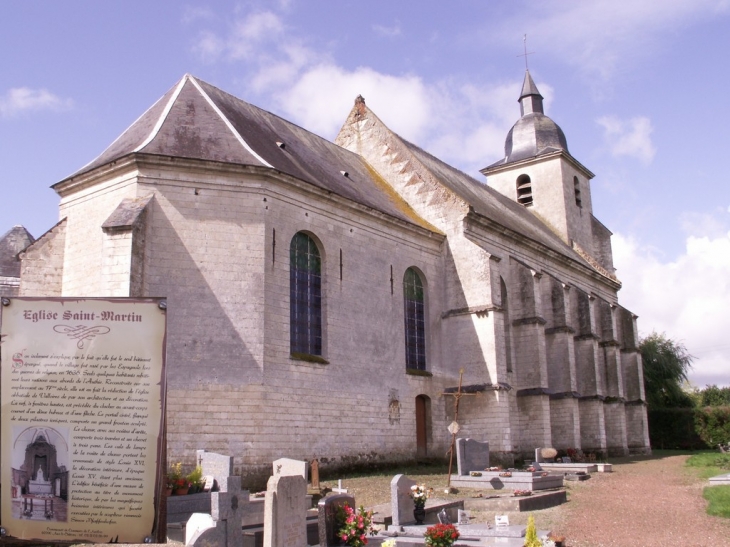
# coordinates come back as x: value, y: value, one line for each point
x: 505, y: 474
x: 522, y: 493
x: 419, y: 494
x: 354, y: 525
x: 441, y: 535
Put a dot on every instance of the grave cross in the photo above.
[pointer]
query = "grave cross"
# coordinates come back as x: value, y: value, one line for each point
x: 454, y: 426
x: 339, y: 488
x: 525, y: 54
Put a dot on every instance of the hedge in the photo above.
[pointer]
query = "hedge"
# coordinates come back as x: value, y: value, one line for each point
x: 674, y: 428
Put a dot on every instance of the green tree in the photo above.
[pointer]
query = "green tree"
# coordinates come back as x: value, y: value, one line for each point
x: 714, y: 396
x: 666, y: 364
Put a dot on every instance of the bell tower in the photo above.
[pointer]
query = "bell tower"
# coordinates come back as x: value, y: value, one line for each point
x: 539, y: 173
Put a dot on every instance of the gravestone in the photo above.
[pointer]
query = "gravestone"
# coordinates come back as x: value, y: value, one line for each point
x: 463, y: 517
x: 501, y: 521
x: 327, y: 517
x: 287, y: 467
x: 227, y: 508
x: 217, y: 465
x: 471, y: 455
x: 443, y: 517
x: 401, y: 503
x: 285, y: 512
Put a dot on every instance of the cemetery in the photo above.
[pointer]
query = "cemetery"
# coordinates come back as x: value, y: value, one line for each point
x: 296, y: 511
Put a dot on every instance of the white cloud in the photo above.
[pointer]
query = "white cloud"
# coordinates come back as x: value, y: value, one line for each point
x: 193, y: 14
x: 686, y: 298
x: 462, y: 123
x: 630, y: 138
x: 601, y: 35
x: 390, y: 32
x: 25, y: 99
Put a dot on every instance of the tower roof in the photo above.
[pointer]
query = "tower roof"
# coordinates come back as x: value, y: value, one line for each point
x: 534, y: 134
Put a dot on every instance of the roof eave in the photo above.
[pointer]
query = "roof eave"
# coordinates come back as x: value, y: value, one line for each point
x: 499, y: 167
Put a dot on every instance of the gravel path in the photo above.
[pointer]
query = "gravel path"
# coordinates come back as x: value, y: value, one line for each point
x: 644, y: 503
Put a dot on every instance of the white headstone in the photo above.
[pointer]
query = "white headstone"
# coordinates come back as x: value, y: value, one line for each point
x: 289, y: 468
x: 501, y: 521
x: 401, y: 503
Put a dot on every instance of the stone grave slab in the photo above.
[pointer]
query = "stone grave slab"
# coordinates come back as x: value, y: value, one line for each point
x: 327, y: 516
x: 285, y: 512
x: 720, y: 479
x: 471, y: 455
x: 517, y: 480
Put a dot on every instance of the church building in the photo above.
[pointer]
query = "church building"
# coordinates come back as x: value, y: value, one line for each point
x: 324, y: 298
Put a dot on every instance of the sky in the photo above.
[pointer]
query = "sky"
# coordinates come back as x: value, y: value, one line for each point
x: 639, y: 88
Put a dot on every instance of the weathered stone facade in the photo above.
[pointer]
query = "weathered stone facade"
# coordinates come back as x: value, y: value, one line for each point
x: 199, y: 201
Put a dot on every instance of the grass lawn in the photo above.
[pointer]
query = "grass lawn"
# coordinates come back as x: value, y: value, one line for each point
x: 708, y: 464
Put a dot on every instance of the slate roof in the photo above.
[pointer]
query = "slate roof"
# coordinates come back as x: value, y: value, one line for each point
x: 11, y: 243
x: 199, y: 121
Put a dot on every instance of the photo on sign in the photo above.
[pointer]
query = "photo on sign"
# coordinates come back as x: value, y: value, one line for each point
x: 40, y: 476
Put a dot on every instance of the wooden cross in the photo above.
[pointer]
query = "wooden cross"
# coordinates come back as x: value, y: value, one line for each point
x: 525, y: 54
x: 454, y: 430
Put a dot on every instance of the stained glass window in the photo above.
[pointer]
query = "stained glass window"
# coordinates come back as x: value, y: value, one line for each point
x: 415, y: 320
x: 305, y: 291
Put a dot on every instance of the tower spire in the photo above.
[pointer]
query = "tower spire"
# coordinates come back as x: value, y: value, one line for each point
x: 530, y: 99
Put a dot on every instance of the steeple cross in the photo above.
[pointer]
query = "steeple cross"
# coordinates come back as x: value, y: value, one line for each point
x: 525, y: 54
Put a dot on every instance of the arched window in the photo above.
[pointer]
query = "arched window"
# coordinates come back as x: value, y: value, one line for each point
x: 415, y: 320
x: 305, y: 295
x: 576, y: 187
x: 524, y: 190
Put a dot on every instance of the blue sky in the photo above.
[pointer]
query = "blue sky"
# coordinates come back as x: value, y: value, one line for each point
x: 638, y: 87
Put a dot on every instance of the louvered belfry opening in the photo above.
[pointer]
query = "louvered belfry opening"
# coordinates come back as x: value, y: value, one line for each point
x: 524, y: 190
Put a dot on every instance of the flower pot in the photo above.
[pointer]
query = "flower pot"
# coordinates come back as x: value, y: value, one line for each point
x: 168, y: 492
x: 181, y: 491
x: 419, y: 513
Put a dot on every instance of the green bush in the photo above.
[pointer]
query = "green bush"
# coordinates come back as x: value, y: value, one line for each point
x: 674, y: 428
x: 713, y: 425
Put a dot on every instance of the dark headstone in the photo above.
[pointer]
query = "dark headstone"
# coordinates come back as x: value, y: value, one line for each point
x: 327, y: 517
x: 443, y: 517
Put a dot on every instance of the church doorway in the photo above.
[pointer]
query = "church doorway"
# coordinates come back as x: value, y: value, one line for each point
x: 423, y: 421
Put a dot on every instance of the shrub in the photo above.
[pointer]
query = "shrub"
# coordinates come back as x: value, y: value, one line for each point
x: 713, y: 424
x: 531, y: 539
